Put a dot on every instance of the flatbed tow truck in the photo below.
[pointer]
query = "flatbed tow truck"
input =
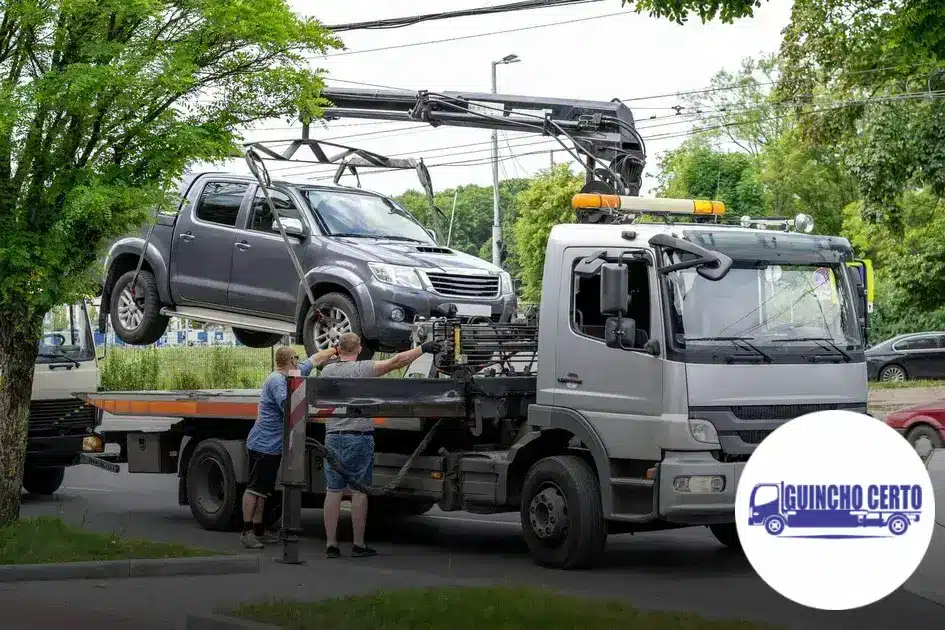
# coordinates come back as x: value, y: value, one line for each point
x: 667, y: 346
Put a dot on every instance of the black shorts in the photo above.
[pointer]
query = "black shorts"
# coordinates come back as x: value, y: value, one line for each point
x: 263, y: 472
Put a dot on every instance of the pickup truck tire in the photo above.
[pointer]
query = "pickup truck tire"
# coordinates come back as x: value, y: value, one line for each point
x: 215, y: 498
x: 145, y: 310
x: 44, y: 481
x: 727, y: 534
x: 562, y: 513
x: 256, y: 338
x: 340, y: 307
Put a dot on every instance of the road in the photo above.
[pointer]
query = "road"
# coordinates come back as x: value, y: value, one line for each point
x: 679, y: 570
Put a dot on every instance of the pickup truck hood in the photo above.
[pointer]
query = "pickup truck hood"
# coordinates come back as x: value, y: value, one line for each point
x: 416, y: 254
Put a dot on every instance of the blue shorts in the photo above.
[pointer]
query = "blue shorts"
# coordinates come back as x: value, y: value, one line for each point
x: 356, y: 454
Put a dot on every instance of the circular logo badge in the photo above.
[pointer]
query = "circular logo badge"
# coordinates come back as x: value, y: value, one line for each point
x: 835, y: 510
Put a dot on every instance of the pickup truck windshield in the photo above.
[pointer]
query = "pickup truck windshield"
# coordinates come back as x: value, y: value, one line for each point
x: 363, y: 215
x: 67, y: 336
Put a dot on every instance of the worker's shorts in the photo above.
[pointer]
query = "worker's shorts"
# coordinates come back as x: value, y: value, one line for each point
x: 263, y: 472
x: 355, y: 452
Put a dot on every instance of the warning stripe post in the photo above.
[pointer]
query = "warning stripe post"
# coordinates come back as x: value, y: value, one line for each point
x: 293, y: 467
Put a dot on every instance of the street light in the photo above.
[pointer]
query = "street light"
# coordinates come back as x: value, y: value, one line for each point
x: 496, y: 225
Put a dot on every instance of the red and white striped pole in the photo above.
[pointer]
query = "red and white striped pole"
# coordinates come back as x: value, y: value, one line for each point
x: 293, y: 466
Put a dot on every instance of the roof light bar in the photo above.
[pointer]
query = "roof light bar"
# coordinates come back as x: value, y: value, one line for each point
x: 642, y: 205
x: 798, y: 223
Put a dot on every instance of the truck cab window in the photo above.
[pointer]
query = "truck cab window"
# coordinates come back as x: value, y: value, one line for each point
x: 586, y: 316
x: 220, y: 202
x: 261, y: 218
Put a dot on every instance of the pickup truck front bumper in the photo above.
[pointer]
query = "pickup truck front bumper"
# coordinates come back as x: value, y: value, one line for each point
x: 697, y: 489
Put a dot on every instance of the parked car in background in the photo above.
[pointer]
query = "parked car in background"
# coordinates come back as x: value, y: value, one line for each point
x: 907, y: 357
x: 918, y: 423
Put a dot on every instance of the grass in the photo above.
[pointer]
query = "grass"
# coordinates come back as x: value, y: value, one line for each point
x: 458, y: 608
x: 49, y: 540
x: 907, y: 384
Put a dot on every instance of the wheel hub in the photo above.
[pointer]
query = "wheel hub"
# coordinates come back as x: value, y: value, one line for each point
x: 329, y: 335
x: 130, y: 309
x: 548, y: 514
x: 209, y: 485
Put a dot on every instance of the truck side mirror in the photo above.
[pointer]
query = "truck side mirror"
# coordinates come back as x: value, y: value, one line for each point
x: 293, y: 227
x: 620, y: 332
x: 614, y: 289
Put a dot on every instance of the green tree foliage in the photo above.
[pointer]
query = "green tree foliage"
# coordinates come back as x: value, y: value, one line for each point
x: 678, y: 10
x: 545, y: 203
x: 103, y: 103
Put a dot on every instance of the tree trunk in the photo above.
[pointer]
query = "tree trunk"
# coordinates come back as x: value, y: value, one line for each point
x: 19, y: 332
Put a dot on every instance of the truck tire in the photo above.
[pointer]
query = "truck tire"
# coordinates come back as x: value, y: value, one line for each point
x: 727, y: 534
x: 44, y: 481
x: 562, y: 514
x: 137, y: 319
x: 341, y: 308
x: 215, y: 498
x: 256, y: 338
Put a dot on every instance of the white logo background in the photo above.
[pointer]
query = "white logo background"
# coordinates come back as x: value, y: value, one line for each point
x: 835, y: 447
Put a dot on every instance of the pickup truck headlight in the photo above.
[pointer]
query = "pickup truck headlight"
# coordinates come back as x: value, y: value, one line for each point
x: 506, y: 280
x: 396, y: 275
x: 703, y: 431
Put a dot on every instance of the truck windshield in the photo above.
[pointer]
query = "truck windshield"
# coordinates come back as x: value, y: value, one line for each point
x: 67, y: 335
x: 365, y: 216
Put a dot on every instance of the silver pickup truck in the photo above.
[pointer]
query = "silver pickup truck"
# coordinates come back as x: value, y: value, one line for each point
x: 220, y: 259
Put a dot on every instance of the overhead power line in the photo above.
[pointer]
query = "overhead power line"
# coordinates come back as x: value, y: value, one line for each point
x: 401, y: 22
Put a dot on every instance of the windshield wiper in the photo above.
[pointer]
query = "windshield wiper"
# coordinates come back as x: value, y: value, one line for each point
x: 832, y: 345
x: 52, y: 355
x: 744, y: 340
x: 400, y: 238
x: 351, y: 235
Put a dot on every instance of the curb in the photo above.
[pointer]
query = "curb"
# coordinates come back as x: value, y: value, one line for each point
x: 223, y: 622
x: 138, y: 568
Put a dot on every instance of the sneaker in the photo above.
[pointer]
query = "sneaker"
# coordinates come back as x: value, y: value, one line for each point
x: 268, y: 539
x: 250, y: 541
x: 332, y: 552
x: 362, y: 552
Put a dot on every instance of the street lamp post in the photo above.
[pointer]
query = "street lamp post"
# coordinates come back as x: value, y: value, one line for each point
x: 496, y: 225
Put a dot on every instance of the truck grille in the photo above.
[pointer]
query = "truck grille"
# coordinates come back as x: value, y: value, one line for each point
x: 754, y: 436
x: 784, y: 412
x: 53, y: 416
x: 457, y: 285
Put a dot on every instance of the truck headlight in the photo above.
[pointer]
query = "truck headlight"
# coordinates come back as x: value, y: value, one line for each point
x: 703, y: 431
x: 506, y: 280
x: 396, y: 275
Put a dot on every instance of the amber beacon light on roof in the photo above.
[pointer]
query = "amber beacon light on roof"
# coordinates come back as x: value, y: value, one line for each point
x: 647, y: 205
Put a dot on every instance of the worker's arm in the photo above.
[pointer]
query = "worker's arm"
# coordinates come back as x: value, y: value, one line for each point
x: 404, y: 358
x: 317, y: 360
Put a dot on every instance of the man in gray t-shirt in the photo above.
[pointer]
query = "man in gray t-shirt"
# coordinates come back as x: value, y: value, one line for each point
x: 352, y: 441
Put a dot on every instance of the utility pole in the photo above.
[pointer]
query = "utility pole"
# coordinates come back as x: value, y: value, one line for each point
x: 496, y: 219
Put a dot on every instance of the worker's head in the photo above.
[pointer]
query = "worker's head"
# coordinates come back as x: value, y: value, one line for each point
x: 287, y: 358
x: 349, y: 346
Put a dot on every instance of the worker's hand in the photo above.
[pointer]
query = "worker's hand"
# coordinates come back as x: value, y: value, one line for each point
x: 431, y: 347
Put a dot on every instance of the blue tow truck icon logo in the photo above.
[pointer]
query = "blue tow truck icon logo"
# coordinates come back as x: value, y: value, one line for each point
x: 780, y: 506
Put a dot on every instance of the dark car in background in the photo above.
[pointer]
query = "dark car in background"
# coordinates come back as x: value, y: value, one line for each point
x: 907, y: 357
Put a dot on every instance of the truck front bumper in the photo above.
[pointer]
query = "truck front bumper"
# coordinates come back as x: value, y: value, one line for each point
x: 697, y: 489
x: 61, y: 450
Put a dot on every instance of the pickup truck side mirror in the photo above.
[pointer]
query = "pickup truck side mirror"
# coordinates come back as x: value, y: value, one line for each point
x: 620, y: 332
x: 432, y: 234
x: 614, y: 289
x: 293, y: 227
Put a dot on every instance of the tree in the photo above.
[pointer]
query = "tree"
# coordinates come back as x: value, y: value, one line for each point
x: 678, y: 10
x: 103, y: 103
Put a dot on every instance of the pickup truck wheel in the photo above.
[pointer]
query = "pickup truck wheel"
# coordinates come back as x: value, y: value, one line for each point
x: 43, y: 481
x: 562, y: 513
x: 212, y: 492
x: 136, y: 315
x: 727, y: 534
x: 342, y: 310
x: 256, y: 338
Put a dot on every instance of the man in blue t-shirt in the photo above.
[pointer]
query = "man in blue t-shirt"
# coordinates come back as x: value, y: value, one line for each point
x: 265, y: 441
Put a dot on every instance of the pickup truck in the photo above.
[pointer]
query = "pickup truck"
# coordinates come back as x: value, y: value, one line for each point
x: 372, y: 266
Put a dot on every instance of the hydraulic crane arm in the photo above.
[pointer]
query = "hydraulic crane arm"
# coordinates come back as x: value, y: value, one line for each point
x: 602, y: 132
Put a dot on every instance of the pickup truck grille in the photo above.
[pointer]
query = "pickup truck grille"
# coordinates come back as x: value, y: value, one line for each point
x: 457, y: 285
x: 52, y: 416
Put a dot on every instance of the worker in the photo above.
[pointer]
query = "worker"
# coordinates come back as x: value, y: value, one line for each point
x: 265, y: 441
x: 351, y: 440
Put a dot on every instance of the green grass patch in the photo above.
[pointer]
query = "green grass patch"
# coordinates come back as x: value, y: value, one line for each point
x: 49, y: 540
x: 457, y: 608
x: 907, y: 384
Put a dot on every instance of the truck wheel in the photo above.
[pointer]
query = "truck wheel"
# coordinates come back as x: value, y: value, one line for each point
x: 774, y: 525
x: 342, y: 310
x: 256, y: 338
x: 562, y: 515
x: 898, y: 524
x: 212, y: 492
x: 727, y: 534
x: 137, y: 318
x: 43, y: 480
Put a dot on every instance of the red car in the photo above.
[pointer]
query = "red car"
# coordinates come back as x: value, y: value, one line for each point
x: 925, y: 421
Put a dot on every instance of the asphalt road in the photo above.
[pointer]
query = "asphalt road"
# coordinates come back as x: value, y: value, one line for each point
x: 684, y: 570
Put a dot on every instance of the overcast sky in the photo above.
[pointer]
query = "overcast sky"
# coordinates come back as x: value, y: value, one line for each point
x: 617, y: 54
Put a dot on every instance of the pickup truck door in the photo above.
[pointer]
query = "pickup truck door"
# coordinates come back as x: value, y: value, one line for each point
x: 263, y: 279
x: 202, y: 252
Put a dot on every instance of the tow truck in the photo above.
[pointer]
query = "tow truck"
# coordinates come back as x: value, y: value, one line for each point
x: 667, y: 345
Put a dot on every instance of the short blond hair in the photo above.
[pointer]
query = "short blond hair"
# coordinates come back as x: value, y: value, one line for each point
x: 348, y: 343
x: 284, y: 356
